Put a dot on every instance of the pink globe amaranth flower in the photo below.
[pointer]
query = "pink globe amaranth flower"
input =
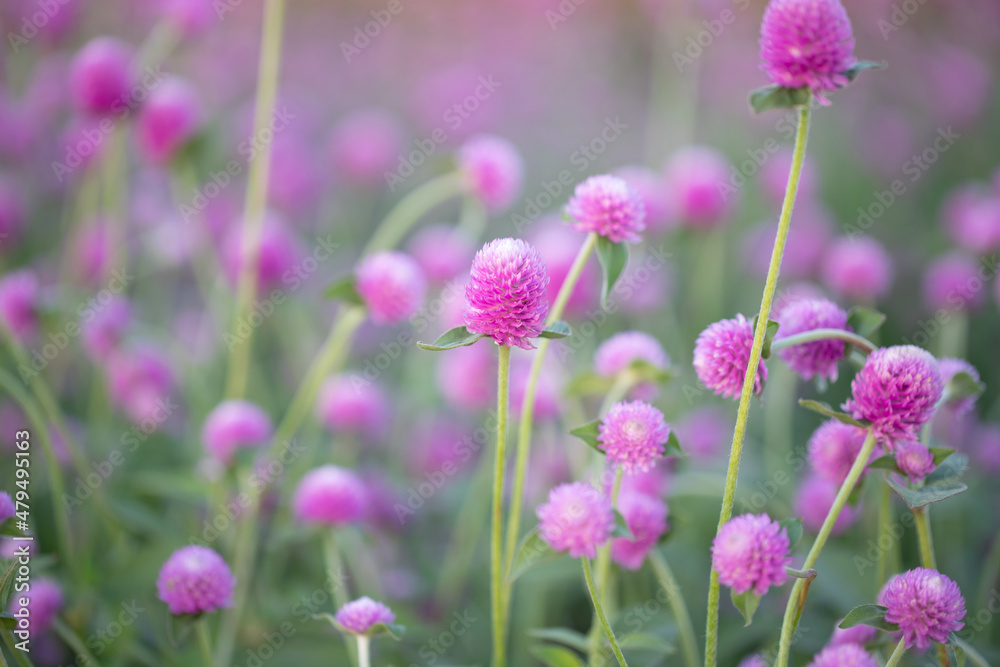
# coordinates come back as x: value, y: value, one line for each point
x: 577, y: 518
x: 466, y: 377
x: 813, y: 502
x: 619, y: 352
x: 353, y: 404
x: 12, y: 211
x: 807, y: 44
x: 103, y: 332
x: 925, y: 604
x: 558, y: 245
x: 633, y: 435
x: 100, y: 78
x: 819, y: 358
x: 44, y: 600
x: 857, y: 269
x: 986, y: 448
x: 442, y: 251
x: 19, y: 303
x: 915, y: 460
x: 897, y: 391
x: 647, y: 520
x: 694, y: 175
x: 331, y: 496
x: 859, y: 634
x: 833, y: 449
x: 608, y: 206
x: 6, y: 506
x: 361, y: 615
x: 234, y: 425
x: 505, y: 295
x: 808, y: 238
x: 278, y: 253
x: 750, y: 553
x: 972, y: 218
x: 722, y: 355
x: 704, y: 431
x: 952, y: 282
x: 190, y: 17
x: 195, y: 580
x: 949, y: 368
x: 365, y: 145
x: 652, y: 190
x: 140, y: 381
x: 844, y: 655
x: 392, y: 286
x: 493, y: 170
x: 170, y: 116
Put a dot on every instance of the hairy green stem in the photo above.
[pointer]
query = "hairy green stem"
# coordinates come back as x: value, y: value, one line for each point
x: 857, y: 341
x: 204, y: 641
x: 897, y: 654
x: 411, y: 208
x: 497, y: 575
x: 749, y: 380
x: 685, y: 629
x: 923, y: 522
x: 336, y: 576
x: 602, y: 617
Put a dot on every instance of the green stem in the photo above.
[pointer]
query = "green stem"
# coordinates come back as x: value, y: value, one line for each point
x: 337, y: 576
x: 204, y: 641
x: 73, y: 640
x: 897, y: 654
x: 411, y: 208
x: 749, y: 380
x: 496, y: 553
x: 472, y: 219
x: 825, y: 334
x: 256, y: 196
x: 603, y: 575
x: 364, y: 651
x: 676, y: 601
x: 796, y: 600
x: 923, y: 522
x: 602, y: 617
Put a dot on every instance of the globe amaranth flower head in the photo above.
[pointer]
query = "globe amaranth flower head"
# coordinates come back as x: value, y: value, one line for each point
x: 100, y: 77
x: 492, y: 169
x: 925, y: 604
x: 750, y: 553
x: 19, y: 303
x: 505, y: 296
x: 392, y: 285
x: 807, y: 44
x: 633, y: 435
x: 896, y: 390
x: 234, y: 425
x: 619, y: 352
x: 915, y: 460
x: 949, y: 368
x: 858, y: 269
x: 833, y: 448
x: 44, y: 601
x: 813, y: 501
x: 346, y: 405
x: 6, y: 506
x: 722, y: 354
x: 195, y: 580
x: 169, y: 118
x: 608, y: 206
x: 577, y: 518
x: 844, y: 655
x: 361, y: 615
x: 646, y: 517
x: 818, y: 358
x: 331, y: 496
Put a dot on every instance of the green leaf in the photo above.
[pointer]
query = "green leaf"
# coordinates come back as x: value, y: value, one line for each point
x: 556, y: 656
x: 809, y: 574
x: 963, y: 385
x: 588, y: 433
x: 860, y: 66
x: 645, y: 641
x: 566, y: 636
x: 673, y: 446
x: 7, y: 584
x: 449, y: 340
x: 647, y: 372
x: 556, y: 330
x: 613, y: 258
x: 930, y: 492
x: 825, y: 410
x: 868, y: 614
x: 588, y: 383
x: 746, y: 603
x: 864, y: 321
x: 621, y: 528
x: 793, y: 527
x: 778, y: 97
x: 8, y: 620
x: 532, y: 551
x: 769, y: 332
x: 951, y: 469
x: 941, y: 454
x: 887, y: 462
x: 344, y: 290
x: 394, y: 630
x: 10, y: 529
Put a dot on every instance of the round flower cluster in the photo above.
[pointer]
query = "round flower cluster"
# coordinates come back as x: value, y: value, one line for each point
x: 915, y: 460
x: 722, y: 354
x: 361, y: 615
x: 392, y: 286
x: 195, y: 580
x: 750, y: 553
x: 234, y: 425
x: 577, y: 518
x: 493, y: 170
x: 646, y: 518
x: 633, y: 435
x: 925, y: 604
x: 833, y: 448
x: 331, y: 496
x: 844, y: 655
x: 818, y: 358
x: 608, y: 206
x: 619, y: 352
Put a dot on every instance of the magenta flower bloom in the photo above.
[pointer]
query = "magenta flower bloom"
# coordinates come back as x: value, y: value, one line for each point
x: 140, y: 381
x: 813, y: 502
x: 493, y: 170
x: 952, y: 282
x: 857, y: 269
x: 633, y: 435
x: 6, y: 506
x: 619, y: 352
x: 754, y: 660
x: 807, y: 44
x: 925, y: 604
x: 693, y: 175
x: 859, y: 634
x: 646, y: 517
x: 169, y: 118
x: 354, y: 405
x: 949, y: 368
x: 195, y: 580
x: 577, y: 518
x: 103, y: 333
x: 818, y: 358
x: 279, y: 252
x: 722, y: 355
x: 361, y: 615
x: 750, y: 553
x: 442, y: 251
x: 896, y: 390
x: 505, y: 295
x: 44, y: 602
x: 833, y: 449
x: 915, y: 460
x: 100, y: 78
x: 972, y: 218
x: 608, y: 206
x: 189, y: 16
x: 844, y: 655
x: 652, y: 190
x: 331, y: 496
x: 234, y: 425
x: 704, y: 431
x: 392, y: 285
x: 365, y: 145
x: 19, y: 303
